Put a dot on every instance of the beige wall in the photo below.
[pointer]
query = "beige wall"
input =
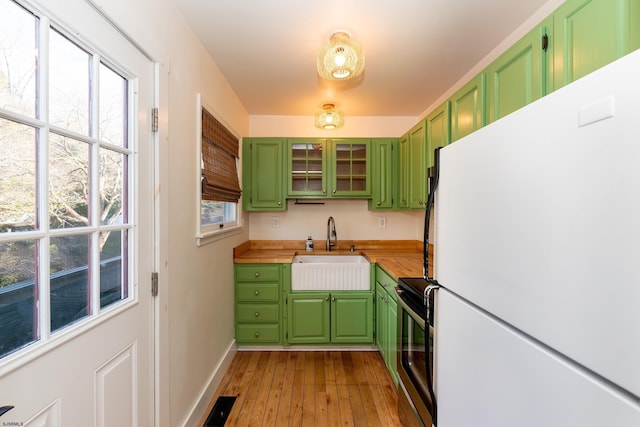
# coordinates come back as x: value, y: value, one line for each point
x: 353, y: 222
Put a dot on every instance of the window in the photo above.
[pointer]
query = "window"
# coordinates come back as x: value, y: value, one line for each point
x: 65, y: 166
x: 219, y: 184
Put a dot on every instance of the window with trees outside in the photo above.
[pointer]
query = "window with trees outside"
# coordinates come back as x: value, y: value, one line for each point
x: 66, y: 164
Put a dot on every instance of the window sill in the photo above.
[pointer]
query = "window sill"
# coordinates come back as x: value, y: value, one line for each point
x: 212, y: 236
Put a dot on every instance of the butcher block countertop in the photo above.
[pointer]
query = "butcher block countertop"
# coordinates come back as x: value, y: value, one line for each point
x: 399, y: 258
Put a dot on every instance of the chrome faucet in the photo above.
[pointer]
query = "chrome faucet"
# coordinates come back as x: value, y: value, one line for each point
x: 331, y: 232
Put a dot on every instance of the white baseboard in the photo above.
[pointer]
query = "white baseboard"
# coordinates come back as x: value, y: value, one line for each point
x: 197, y: 411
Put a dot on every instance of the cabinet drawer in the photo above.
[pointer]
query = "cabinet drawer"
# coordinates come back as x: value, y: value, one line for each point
x: 258, y: 273
x: 386, y: 281
x: 256, y: 334
x: 257, y: 313
x: 257, y: 292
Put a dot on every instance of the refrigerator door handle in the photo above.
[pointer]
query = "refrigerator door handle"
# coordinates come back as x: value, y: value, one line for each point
x: 428, y: 208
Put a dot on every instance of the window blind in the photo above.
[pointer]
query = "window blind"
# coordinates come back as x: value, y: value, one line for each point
x: 219, y: 154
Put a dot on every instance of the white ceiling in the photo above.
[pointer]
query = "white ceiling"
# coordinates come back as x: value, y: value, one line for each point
x: 415, y: 49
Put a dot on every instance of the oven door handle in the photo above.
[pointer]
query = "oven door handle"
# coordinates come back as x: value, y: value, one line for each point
x: 415, y: 316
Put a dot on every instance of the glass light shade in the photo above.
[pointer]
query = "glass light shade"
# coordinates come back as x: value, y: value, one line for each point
x: 341, y: 58
x: 329, y: 118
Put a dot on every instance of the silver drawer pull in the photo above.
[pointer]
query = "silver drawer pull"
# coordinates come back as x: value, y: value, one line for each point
x: 257, y: 293
x: 257, y: 314
x: 257, y: 334
x: 257, y: 274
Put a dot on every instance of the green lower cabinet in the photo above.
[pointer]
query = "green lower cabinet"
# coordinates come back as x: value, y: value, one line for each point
x: 330, y: 317
x: 258, y: 303
x: 352, y: 317
x: 309, y: 316
x: 392, y: 354
x: 387, y: 321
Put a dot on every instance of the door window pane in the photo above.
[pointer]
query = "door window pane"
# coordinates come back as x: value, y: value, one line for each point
x: 17, y: 177
x: 113, y: 107
x: 68, y: 182
x: 68, y: 84
x: 111, y: 187
x: 113, y: 267
x: 69, y: 280
x: 18, y: 295
x: 18, y: 64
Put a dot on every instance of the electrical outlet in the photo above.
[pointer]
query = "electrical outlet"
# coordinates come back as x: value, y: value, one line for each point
x: 275, y: 222
x: 382, y: 222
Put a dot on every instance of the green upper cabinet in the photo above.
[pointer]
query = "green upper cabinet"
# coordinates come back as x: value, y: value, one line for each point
x: 589, y: 34
x: 519, y: 76
x: 263, y: 174
x: 403, y: 172
x: 307, y: 166
x: 412, y: 171
x: 438, y: 130
x: 417, y: 161
x: 383, y: 162
x: 320, y: 168
x: 468, y: 108
x: 350, y: 167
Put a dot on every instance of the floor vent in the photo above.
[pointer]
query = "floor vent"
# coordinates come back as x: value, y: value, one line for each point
x: 220, y: 412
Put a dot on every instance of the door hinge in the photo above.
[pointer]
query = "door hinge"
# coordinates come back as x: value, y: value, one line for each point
x: 154, y: 284
x: 545, y: 42
x: 154, y: 119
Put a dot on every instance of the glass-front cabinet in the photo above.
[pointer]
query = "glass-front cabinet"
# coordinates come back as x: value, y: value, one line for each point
x: 350, y: 167
x: 307, y: 168
x: 329, y: 168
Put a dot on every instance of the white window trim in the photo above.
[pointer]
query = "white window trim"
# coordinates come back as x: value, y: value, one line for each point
x: 211, y: 233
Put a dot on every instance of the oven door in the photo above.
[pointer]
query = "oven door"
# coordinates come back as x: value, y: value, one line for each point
x: 416, y: 400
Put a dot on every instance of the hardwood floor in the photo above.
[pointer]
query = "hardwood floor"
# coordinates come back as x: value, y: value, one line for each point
x: 314, y: 388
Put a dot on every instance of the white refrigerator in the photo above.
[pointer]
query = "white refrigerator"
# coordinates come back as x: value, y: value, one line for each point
x: 537, y: 250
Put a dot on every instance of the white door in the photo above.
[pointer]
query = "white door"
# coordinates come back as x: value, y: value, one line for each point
x: 76, y: 219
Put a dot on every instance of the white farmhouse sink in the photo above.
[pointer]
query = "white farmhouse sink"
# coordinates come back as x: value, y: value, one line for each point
x: 330, y: 273
x: 330, y: 259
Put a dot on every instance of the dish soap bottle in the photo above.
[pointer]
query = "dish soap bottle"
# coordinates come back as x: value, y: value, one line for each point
x: 309, y: 244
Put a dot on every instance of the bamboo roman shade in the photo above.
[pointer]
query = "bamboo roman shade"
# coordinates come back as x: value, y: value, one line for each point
x: 219, y: 154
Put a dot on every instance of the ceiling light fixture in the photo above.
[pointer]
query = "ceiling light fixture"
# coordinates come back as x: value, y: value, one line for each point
x: 341, y: 58
x: 329, y: 118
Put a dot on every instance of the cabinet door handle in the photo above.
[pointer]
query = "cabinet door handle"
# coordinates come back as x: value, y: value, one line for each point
x: 334, y: 191
x: 378, y: 204
x: 333, y: 299
x: 257, y: 314
x: 326, y: 299
x: 324, y: 190
x: 279, y: 202
x: 257, y: 293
